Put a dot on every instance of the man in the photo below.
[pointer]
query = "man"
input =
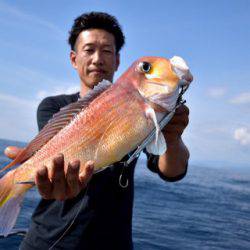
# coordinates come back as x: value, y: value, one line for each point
x: 102, y: 212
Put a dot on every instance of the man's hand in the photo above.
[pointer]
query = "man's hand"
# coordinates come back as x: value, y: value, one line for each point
x: 174, y: 162
x: 59, y: 185
x: 174, y: 129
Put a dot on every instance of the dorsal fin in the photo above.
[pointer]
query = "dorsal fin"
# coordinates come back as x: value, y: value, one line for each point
x: 58, y: 122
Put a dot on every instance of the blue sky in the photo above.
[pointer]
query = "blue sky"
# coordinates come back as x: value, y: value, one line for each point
x: 213, y: 37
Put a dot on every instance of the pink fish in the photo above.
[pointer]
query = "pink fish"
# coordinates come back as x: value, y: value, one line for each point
x: 104, y: 126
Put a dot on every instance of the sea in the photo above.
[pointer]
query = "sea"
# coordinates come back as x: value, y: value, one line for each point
x: 208, y: 209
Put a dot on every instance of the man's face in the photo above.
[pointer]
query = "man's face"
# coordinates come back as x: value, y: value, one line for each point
x: 95, y: 56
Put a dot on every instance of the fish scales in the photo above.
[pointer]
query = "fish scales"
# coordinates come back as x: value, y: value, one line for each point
x: 118, y: 111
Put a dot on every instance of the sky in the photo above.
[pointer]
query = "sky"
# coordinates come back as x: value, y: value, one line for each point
x: 212, y: 36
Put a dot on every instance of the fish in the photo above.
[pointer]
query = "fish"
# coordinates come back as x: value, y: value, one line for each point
x: 104, y: 126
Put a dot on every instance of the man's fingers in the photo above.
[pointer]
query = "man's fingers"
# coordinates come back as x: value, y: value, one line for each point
x: 182, y: 109
x: 179, y: 120
x: 87, y: 173
x: 43, y: 183
x: 72, y: 178
x: 173, y: 129
x: 58, y: 178
x: 181, y: 117
x: 12, y: 151
x: 61, y: 186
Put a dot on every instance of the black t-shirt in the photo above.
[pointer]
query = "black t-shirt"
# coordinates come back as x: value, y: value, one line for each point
x: 105, y: 217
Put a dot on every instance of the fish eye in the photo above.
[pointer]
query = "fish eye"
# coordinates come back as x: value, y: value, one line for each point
x: 144, y: 67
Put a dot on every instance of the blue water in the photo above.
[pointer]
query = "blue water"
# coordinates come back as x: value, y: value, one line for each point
x: 209, y: 209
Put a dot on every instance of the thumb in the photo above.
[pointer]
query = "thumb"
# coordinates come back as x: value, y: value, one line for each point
x: 12, y: 151
x: 87, y: 173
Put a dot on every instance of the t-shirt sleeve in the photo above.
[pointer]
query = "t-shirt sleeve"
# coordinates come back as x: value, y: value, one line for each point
x: 45, y: 111
x: 152, y: 164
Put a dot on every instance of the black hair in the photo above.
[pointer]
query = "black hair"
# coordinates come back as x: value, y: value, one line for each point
x: 97, y: 20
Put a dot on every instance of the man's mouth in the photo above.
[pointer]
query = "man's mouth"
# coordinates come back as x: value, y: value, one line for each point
x: 97, y: 71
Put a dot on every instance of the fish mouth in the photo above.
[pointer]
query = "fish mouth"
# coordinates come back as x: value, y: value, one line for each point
x: 186, y: 79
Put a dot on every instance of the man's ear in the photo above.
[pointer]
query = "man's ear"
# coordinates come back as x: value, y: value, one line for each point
x: 73, y: 58
x: 117, y: 61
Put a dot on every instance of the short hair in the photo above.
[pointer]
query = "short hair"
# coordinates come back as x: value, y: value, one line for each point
x: 97, y: 20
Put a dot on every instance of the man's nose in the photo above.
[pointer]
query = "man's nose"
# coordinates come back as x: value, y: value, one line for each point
x: 97, y: 58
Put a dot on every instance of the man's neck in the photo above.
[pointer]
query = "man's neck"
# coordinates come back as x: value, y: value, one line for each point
x: 84, y: 90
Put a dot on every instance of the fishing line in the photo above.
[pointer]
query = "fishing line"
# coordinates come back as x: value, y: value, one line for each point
x: 73, y: 221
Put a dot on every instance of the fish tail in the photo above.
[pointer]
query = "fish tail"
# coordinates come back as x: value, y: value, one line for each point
x: 11, y: 197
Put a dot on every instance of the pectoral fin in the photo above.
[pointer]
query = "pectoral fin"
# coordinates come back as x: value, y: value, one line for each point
x: 158, y: 146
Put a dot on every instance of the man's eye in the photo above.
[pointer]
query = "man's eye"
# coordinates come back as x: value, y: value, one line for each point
x: 107, y: 51
x: 89, y: 50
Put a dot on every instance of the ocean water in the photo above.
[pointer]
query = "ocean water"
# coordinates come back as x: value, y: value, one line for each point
x: 208, y: 209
